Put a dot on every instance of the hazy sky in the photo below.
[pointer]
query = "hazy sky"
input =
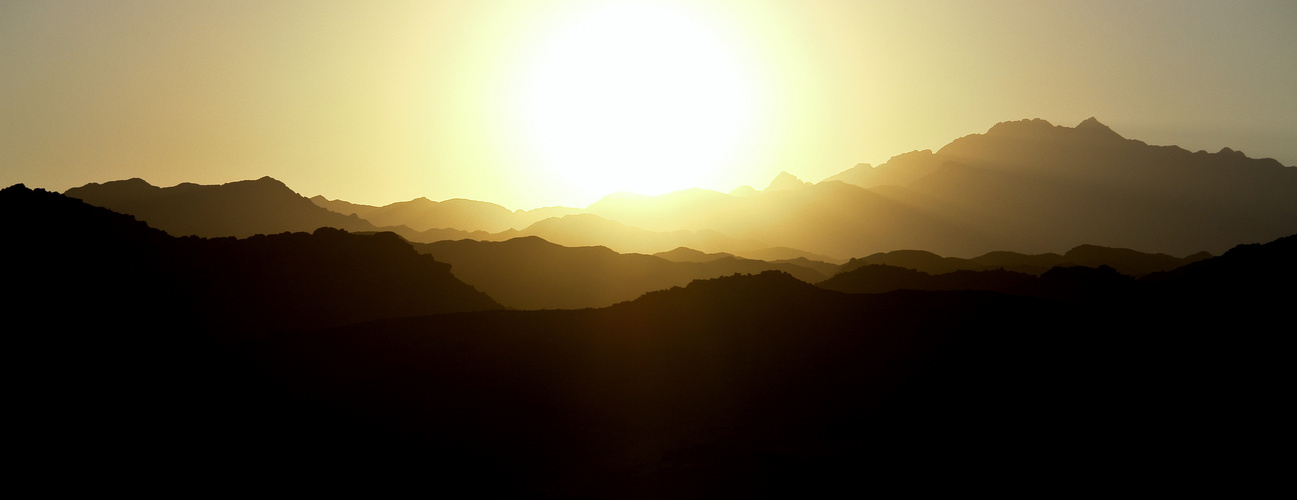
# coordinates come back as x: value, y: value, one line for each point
x: 533, y: 103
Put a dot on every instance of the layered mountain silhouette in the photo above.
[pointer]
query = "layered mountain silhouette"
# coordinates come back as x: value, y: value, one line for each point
x: 531, y: 273
x: 764, y: 383
x: 422, y: 214
x: 241, y: 209
x: 1124, y: 260
x: 334, y: 352
x: 286, y: 281
x: 1025, y: 186
x: 315, y: 341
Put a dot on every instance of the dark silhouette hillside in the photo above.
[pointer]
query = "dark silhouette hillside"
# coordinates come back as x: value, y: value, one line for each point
x: 121, y: 268
x: 760, y: 384
x: 531, y: 273
x: 240, y: 209
x: 1074, y: 283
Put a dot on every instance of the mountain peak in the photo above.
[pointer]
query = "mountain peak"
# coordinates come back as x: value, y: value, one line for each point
x: 1091, y: 125
x: 1092, y: 122
x: 785, y: 181
x: 1018, y: 125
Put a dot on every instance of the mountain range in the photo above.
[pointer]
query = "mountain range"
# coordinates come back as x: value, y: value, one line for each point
x: 1025, y: 186
x: 216, y: 335
x: 531, y: 273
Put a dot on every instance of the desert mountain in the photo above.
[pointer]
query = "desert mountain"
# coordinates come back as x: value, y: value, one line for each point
x: 855, y: 175
x: 267, y: 206
x: 287, y: 281
x: 343, y: 207
x: 683, y: 254
x: 1123, y: 260
x: 531, y: 273
x: 583, y: 230
x: 241, y: 209
x: 1025, y: 186
x: 785, y: 182
x: 422, y: 214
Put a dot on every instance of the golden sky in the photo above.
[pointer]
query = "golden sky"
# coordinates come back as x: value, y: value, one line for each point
x: 536, y: 103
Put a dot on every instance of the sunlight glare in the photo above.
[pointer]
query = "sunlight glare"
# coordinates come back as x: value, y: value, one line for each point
x: 632, y: 97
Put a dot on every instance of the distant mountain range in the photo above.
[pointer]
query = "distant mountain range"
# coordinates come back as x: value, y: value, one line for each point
x: 1025, y: 186
x: 1124, y: 260
x: 422, y: 214
x: 531, y: 273
x: 240, y: 209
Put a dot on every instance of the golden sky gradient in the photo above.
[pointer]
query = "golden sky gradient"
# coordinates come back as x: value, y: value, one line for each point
x: 536, y: 103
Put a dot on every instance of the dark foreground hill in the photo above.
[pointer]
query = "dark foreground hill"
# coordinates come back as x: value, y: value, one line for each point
x: 762, y: 384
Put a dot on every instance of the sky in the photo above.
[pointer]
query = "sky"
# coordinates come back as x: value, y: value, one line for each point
x: 540, y: 103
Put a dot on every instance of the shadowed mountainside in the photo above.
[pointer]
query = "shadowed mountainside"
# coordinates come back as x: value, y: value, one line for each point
x: 763, y: 383
x: 531, y: 273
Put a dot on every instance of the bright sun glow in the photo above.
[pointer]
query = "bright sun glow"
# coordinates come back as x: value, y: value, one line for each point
x: 633, y: 97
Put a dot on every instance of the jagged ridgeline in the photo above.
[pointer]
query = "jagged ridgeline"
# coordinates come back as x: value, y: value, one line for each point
x: 1025, y: 186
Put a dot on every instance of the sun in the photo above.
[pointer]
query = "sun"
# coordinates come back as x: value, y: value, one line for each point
x: 632, y: 97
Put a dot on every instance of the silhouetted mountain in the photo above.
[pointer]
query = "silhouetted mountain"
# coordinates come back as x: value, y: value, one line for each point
x: 280, y: 281
x: 824, y: 268
x: 927, y: 262
x: 423, y: 215
x: 592, y: 230
x: 785, y: 182
x: 764, y: 384
x: 1024, y: 186
x: 531, y: 273
x: 343, y: 207
x: 244, y: 208
x: 857, y: 175
x: 131, y: 339
x: 683, y: 254
x: 1240, y: 288
x: 1123, y: 260
x: 773, y: 254
x: 743, y: 191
